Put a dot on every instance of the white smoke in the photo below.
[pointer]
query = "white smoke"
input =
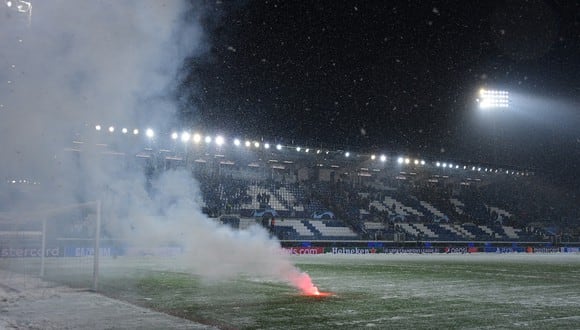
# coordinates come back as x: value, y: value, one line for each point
x: 79, y: 63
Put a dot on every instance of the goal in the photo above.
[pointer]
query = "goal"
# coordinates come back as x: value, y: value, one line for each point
x: 60, y: 245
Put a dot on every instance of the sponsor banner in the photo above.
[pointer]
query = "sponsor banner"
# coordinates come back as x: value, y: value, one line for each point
x: 87, y: 252
x: 456, y: 250
x: 29, y: 252
x: 490, y: 249
x: 411, y: 250
x: 304, y: 250
x: 570, y: 249
x: 546, y: 250
x: 344, y: 250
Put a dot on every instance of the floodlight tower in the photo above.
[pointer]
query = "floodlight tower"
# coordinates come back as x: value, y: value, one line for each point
x: 21, y: 6
x: 493, y: 99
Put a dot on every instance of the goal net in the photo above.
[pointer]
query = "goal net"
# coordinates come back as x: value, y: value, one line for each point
x: 60, y: 245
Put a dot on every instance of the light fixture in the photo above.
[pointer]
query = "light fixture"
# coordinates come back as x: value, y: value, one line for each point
x: 493, y: 99
x: 196, y: 138
x: 219, y: 140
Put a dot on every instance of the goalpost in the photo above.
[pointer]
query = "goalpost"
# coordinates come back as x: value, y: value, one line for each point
x: 61, y: 245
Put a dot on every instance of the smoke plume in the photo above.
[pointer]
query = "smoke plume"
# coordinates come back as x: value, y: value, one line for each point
x: 73, y: 64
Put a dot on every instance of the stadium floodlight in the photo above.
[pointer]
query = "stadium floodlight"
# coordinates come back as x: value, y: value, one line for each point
x: 451, y: 166
x: 383, y: 158
x: 22, y: 6
x: 407, y: 161
x: 266, y: 145
x: 444, y: 165
x: 278, y: 147
x: 135, y: 131
x: 185, y: 136
x: 438, y: 164
x: 400, y: 160
x: 111, y: 129
x: 248, y: 143
x: 174, y: 136
x: 491, y: 99
x: 98, y: 127
x: 237, y: 142
x: 256, y: 144
x: 318, y: 151
x: 347, y: 154
x: 196, y: 138
x: 124, y: 130
x: 307, y: 150
x: 207, y: 139
x: 373, y: 157
x: 298, y: 149
x: 416, y: 162
x: 219, y: 140
x: 149, y: 133
x: 422, y: 162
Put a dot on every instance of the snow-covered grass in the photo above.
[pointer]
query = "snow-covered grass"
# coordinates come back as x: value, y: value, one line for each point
x: 471, y: 291
x: 394, y: 291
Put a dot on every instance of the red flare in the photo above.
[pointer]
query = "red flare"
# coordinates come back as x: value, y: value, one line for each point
x: 309, y: 289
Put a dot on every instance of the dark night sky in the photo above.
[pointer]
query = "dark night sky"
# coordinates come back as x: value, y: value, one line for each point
x: 381, y: 75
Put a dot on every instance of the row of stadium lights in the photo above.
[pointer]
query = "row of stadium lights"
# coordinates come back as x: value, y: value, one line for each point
x: 197, y: 138
x: 478, y: 169
x: 22, y: 181
x: 219, y: 140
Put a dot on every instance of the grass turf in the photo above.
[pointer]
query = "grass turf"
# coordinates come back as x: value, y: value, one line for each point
x: 386, y: 291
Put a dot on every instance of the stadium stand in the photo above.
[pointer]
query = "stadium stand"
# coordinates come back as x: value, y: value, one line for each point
x: 371, y: 200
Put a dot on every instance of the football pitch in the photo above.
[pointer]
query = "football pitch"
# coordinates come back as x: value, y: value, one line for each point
x: 384, y: 291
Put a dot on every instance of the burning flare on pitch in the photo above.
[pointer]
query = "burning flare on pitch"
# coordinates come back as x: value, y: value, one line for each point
x: 304, y: 283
